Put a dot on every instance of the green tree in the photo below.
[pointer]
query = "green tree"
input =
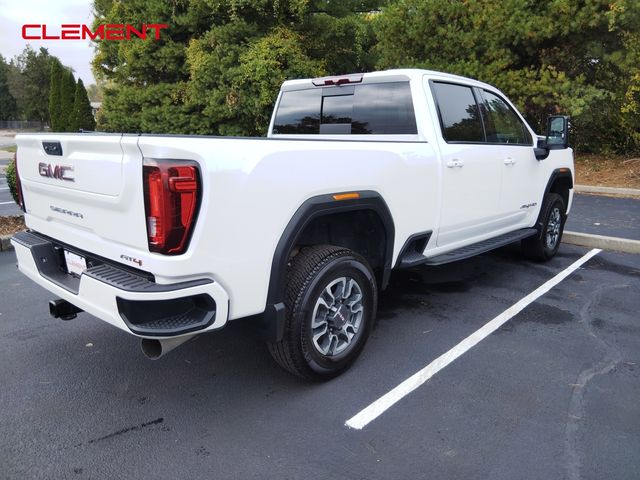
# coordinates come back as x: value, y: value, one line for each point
x: 8, y: 107
x: 67, y: 97
x: 94, y: 91
x: 550, y: 56
x: 55, y: 100
x: 82, y: 114
x: 217, y: 68
x: 35, y: 74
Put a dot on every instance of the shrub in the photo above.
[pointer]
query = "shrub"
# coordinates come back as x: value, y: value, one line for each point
x: 11, y: 179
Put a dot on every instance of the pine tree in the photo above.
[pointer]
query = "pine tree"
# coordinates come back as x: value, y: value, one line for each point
x: 8, y: 107
x: 82, y: 114
x: 67, y: 96
x: 54, y: 96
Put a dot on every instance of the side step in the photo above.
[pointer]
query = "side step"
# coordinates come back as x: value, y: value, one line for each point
x: 468, y: 251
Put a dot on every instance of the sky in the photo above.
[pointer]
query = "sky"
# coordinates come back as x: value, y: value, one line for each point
x: 76, y: 54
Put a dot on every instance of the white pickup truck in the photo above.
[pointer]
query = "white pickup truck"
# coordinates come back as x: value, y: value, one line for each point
x: 170, y: 236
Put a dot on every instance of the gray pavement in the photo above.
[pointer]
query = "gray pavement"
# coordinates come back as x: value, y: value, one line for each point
x: 7, y: 204
x: 551, y: 395
x: 609, y: 216
x: 6, y: 141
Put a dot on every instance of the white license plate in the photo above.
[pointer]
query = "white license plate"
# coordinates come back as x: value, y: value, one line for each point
x: 76, y: 264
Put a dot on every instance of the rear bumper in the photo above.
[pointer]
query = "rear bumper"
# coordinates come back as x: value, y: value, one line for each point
x: 127, y: 299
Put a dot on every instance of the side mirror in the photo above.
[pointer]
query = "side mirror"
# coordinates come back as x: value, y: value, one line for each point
x: 558, y: 132
x: 557, y: 136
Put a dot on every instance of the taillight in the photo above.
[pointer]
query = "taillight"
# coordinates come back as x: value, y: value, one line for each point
x: 171, y: 200
x: 19, y: 188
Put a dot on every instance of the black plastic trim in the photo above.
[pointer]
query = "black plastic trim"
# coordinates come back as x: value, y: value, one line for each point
x: 49, y: 260
x: 563, y: 172
x: 36, y: 238
x: 48, y: 256
x: 52, y: 148
x: 271, y: 322
x: 411, y: 253
x: 480, y: 247
x: 130, y: 282
x: 559, y: 173
x: 161, y: 318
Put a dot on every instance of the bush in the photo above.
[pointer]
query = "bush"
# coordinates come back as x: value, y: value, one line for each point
x: 11, y: 179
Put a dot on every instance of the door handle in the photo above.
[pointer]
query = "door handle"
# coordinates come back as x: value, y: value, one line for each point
x: 455, y: 163
x: 509, y: 161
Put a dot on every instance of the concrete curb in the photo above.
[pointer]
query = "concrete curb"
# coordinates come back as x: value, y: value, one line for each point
x: 5, y: 243
x: 617, y: 244
x: 630, y: 192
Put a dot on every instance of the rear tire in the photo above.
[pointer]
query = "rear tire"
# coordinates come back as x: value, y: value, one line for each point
x: 331, y: 301
x: 545, y: 244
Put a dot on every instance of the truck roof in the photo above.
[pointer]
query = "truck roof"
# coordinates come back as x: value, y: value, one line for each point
x: 394, y: 75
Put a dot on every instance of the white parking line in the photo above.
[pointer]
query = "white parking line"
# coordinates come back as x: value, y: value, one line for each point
x: 377, y: 408
x: 7, y: 203
x: 1, y: 188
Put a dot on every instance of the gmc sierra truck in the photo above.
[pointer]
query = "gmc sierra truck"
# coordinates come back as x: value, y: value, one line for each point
x: 170, y: 236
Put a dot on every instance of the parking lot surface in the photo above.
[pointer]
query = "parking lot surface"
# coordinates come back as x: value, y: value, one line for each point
x: 7, y: 204
x: 609, y: 216
x: 553, y: 394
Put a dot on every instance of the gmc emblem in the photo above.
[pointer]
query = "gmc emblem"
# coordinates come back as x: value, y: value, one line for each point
x: 59, y: 172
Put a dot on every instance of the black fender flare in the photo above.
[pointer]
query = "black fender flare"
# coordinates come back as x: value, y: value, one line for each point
x: 555, y: 175
x: 271, y: 323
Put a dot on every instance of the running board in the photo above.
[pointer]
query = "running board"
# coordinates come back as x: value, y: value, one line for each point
x: 413, y: 259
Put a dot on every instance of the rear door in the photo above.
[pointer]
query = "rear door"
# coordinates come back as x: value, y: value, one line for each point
x: 471, y: 172
x: 83, y: 187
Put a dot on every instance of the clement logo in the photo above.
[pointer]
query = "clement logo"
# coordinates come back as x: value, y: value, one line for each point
x: 59, y: 172
x: 77, y: 31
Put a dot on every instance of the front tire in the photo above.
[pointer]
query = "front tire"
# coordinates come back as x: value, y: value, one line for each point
x: 331, y: 301
x: 545, y: 244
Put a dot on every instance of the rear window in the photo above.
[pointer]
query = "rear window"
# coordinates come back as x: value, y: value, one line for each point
x: 373, y: 109
x: 299, y: 112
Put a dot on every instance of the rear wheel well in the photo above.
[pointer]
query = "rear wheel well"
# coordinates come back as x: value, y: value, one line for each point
x: 361, y: 231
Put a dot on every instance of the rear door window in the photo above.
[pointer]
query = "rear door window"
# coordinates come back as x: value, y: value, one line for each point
x: 369, y: 109
x: 459, y: 113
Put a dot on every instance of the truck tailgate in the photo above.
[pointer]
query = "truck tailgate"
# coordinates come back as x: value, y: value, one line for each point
x: 83, y: 188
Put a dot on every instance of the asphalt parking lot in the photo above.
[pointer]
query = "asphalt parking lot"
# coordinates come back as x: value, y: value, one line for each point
x: 552, y: 394
x: 7, y: 205
x: 609, y: 216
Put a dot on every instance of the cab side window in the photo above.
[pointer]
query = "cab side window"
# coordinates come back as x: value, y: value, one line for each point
x: 502, y: 124
x: 459, y: 113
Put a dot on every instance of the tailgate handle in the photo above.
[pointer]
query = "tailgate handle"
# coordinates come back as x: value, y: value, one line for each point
x: 52, y: 148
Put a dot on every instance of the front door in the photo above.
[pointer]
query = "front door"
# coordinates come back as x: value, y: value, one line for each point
x: 521, y: 171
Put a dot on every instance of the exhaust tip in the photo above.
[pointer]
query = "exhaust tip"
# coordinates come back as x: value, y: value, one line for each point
x: 152, y: 349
